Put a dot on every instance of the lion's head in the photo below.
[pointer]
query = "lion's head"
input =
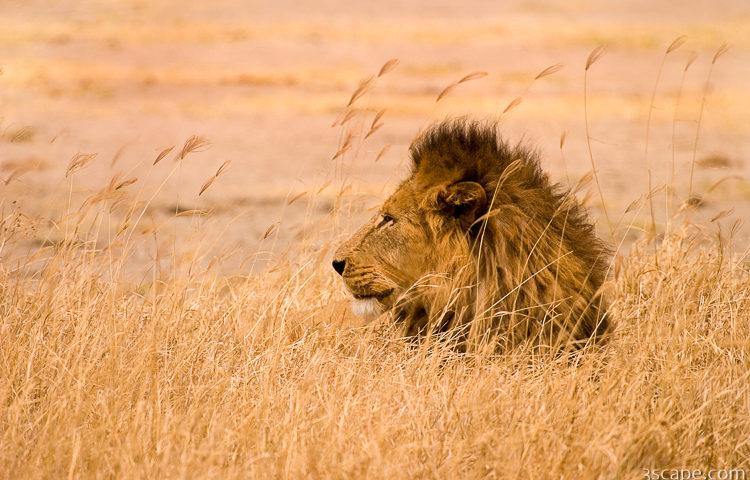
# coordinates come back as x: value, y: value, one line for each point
x: 477, y: 241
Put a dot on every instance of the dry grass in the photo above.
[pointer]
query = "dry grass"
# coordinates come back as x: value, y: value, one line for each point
x: 197, y: 376
x: 183, y: 372
x: 187, y: 373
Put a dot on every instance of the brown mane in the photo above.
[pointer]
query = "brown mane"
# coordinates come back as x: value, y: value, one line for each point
x: 530, y: 266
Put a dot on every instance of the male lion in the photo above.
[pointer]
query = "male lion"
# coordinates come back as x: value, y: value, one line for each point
x: 478, y: 244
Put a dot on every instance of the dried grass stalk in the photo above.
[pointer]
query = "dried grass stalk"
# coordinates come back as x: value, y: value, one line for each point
x: 163, y: 154
x: 388, y: 66
x: 79, y: 161
x: 194, y: 144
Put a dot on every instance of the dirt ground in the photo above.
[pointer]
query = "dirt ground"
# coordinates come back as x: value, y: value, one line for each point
x: 265, y: 81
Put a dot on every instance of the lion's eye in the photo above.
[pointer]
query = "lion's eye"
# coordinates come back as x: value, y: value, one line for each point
x: 386, y: 220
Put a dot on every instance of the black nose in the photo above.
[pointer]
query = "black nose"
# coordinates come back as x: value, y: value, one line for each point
x: 339, y: 266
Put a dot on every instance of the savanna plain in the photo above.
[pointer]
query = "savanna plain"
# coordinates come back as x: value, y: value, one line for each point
x: 175, y: 176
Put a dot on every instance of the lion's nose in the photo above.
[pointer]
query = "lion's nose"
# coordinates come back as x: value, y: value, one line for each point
x: 339, y: 266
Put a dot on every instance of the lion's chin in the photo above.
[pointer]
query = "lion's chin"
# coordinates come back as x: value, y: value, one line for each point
x: 369, y: 307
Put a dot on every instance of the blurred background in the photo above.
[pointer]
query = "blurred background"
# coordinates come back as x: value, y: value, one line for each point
x: 265, y: 87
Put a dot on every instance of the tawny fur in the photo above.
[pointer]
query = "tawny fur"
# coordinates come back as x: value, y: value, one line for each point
x: 478, y: 244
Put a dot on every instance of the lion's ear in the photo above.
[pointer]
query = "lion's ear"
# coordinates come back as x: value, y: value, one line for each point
x: 464, y: 201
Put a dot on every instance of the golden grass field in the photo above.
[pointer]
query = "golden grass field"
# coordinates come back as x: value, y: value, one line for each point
x: 173, y: 190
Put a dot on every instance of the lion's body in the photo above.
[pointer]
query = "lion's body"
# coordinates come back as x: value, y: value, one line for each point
x: 477, y: 243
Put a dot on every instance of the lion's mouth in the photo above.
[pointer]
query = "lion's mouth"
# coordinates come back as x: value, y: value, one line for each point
x: 372, y: 296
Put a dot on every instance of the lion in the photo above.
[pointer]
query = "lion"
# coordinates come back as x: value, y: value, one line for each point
x: 479, y: 245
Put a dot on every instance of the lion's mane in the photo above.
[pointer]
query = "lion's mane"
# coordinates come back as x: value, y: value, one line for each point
x: 530, y: 266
